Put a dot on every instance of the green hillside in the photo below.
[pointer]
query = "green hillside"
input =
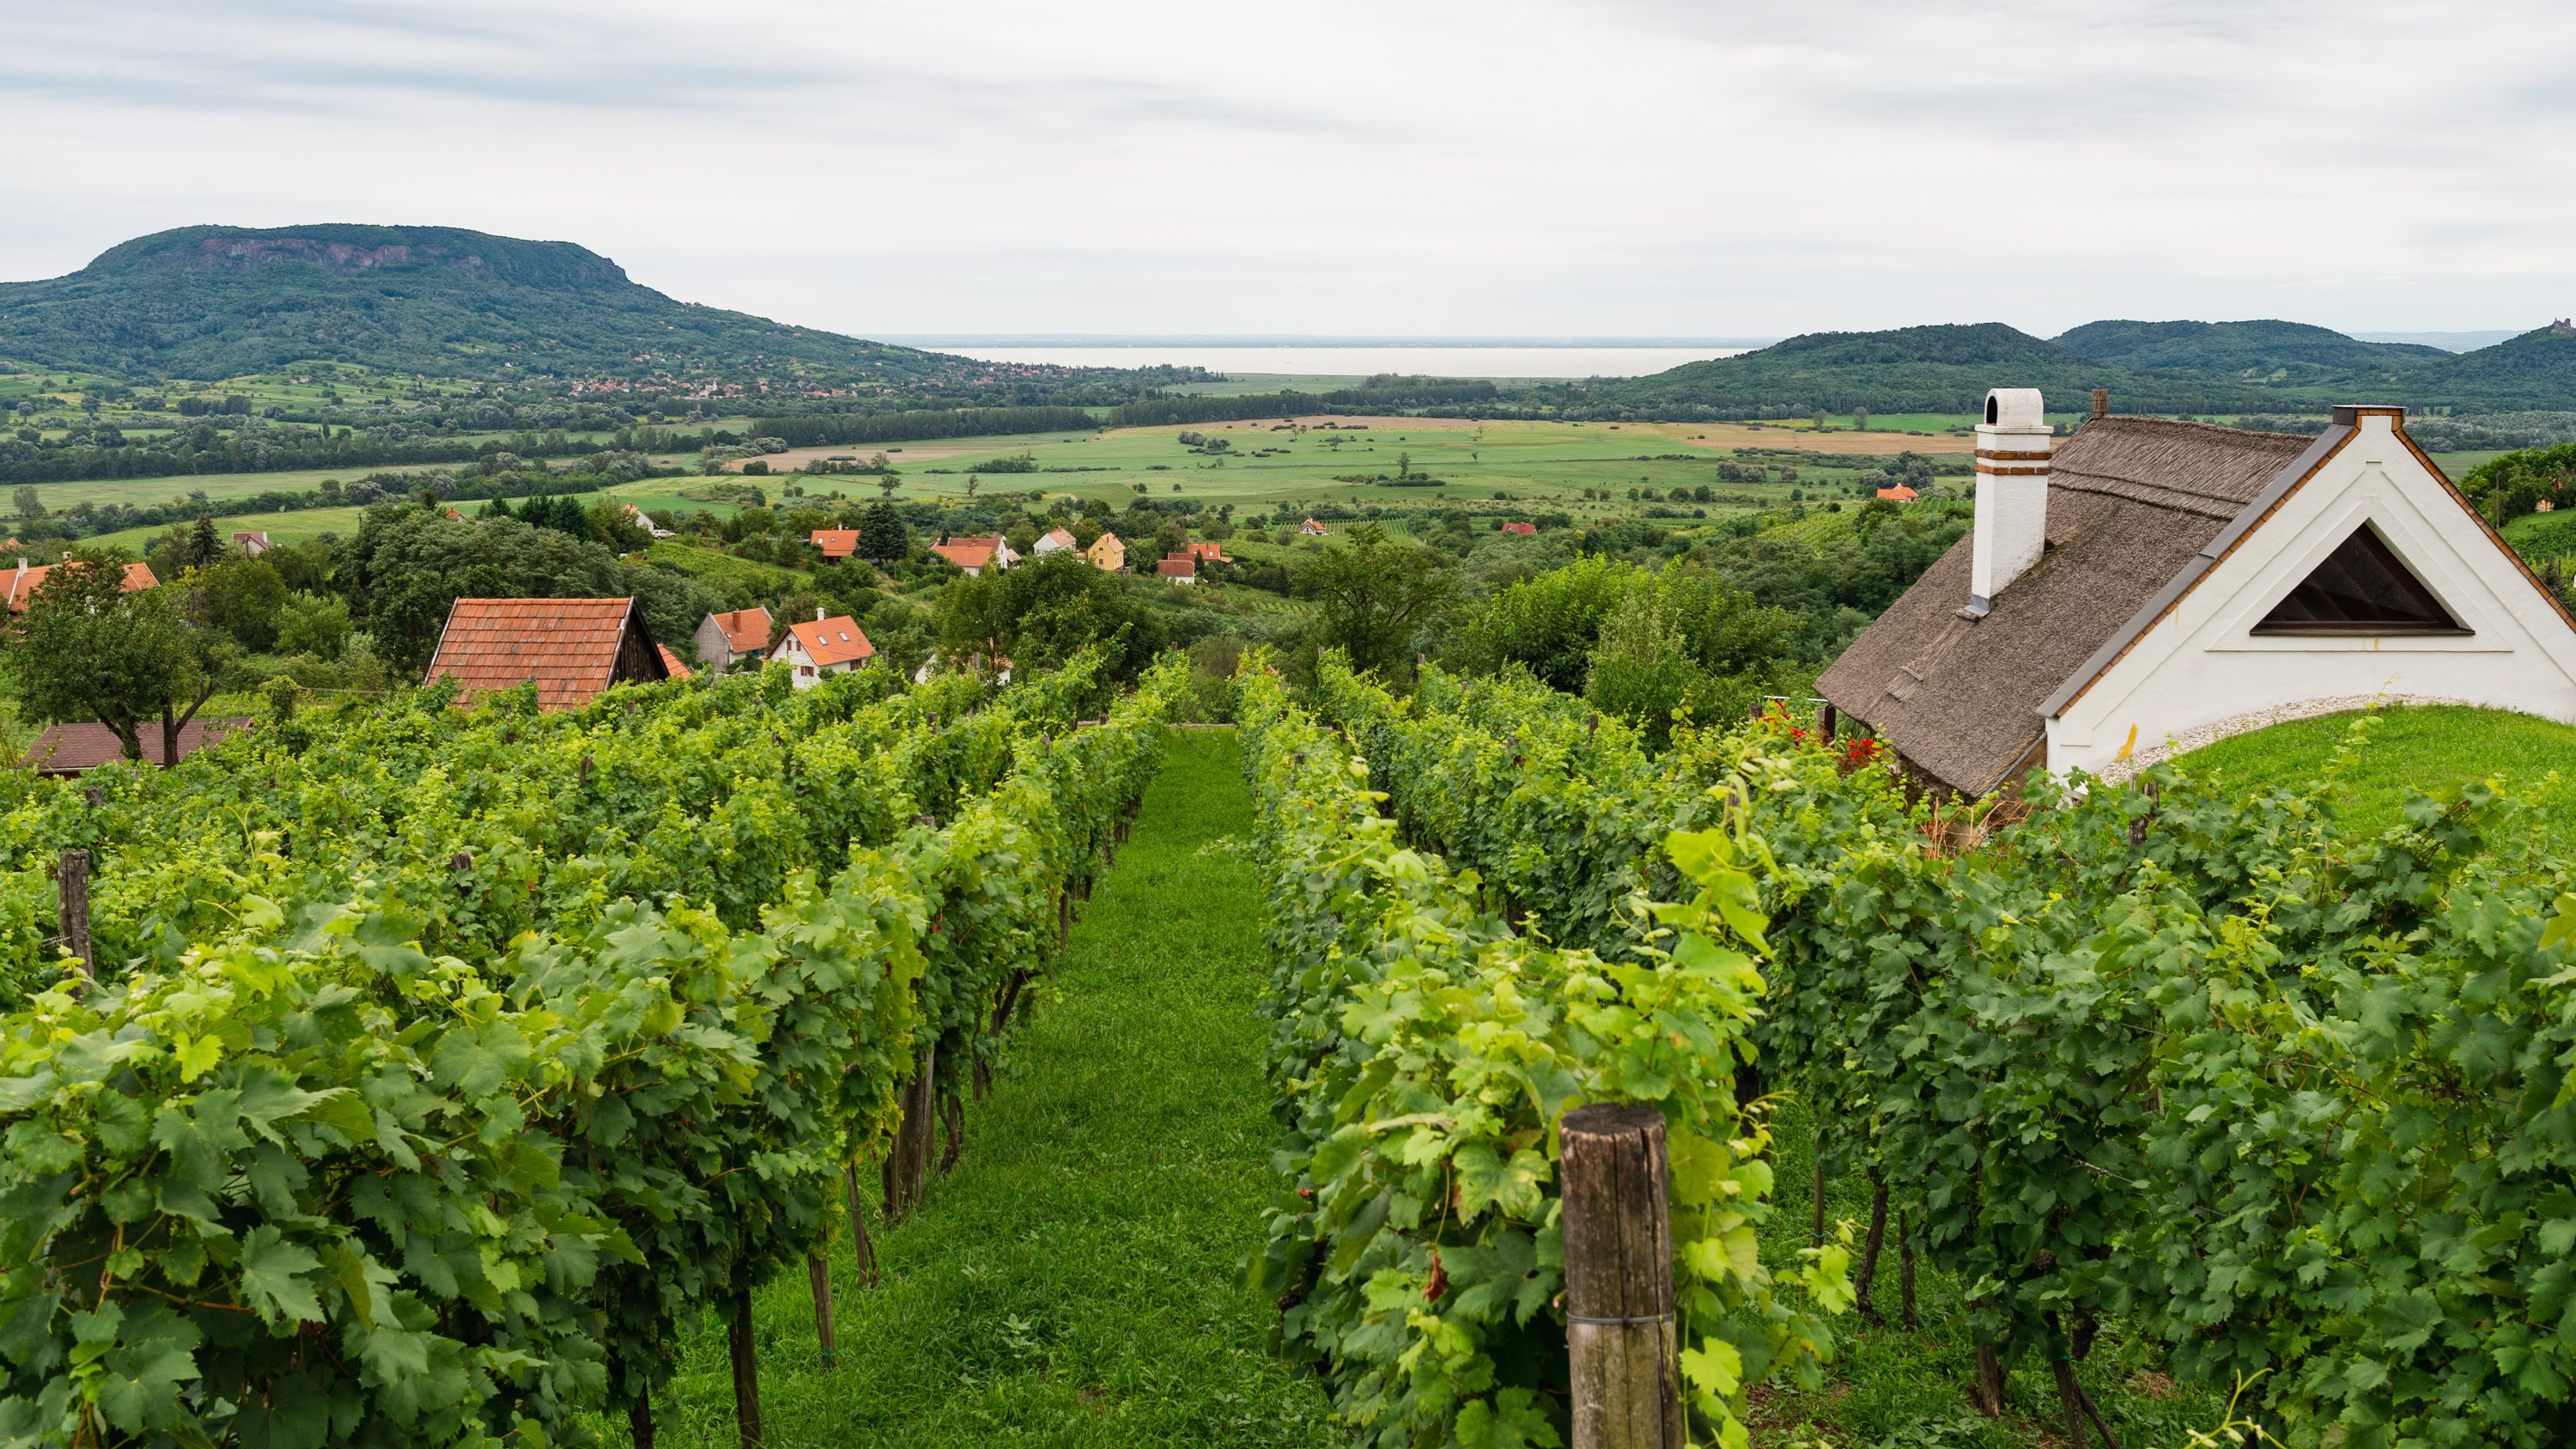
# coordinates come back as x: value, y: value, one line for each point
x: 1943, y: 369
x: 2266, y: 367
x: 2435, y: 749
x: 2255, y: 352
x: 2535, y: 370
x: 210, y: 302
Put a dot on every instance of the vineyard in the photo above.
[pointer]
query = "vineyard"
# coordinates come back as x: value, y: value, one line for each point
x: 444, y: 1071
x: 458, y: 1061
x: 2289, y: 1100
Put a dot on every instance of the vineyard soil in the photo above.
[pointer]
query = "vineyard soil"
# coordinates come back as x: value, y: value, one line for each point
x: 1077, y: 1279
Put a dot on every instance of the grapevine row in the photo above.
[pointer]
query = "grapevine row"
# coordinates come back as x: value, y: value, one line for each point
x: 375, y: 1166
x: 2291, y: 1098
x: 1424, y: 1054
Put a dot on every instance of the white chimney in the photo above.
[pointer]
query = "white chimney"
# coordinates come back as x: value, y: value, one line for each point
x: 2012, y: 493
x: 818, y: 615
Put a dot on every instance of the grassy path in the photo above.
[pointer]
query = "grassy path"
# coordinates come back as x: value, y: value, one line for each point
x: 1077, y: 1280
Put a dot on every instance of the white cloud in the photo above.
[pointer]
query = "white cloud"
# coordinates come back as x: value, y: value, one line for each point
x: 1645, y: 166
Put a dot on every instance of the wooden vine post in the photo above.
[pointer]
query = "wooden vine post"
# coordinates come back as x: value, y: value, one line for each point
x: 1621, y: 1341
x: 818, y: 1269
x: 71, y: 891
x: 746, y: 1372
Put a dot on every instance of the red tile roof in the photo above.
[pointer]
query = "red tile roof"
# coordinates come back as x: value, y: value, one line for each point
x: 966, y: 553
x: 69, y: 749
x: 1520, y: 528
x: 671, y: 662
x: 1900, y: 493
x: 568, y: 646
x: 1181, y: 567
x: 1214, y: 551
x: 1310, y: 526
x: 746, y: 631
x: 24, y: 581
x: 837, y: 542
x: 837, y: 640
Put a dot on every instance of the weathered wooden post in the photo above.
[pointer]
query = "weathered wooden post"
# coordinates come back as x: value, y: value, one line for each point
x: 71, y: 902
x: 818, y: 1269
x: 746, y: 1372
x: 862, y: 1247
x: 1828, y: 719
x: 1621, y: 1342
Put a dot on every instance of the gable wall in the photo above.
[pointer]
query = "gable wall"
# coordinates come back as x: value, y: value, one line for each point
x: 2200, y: 673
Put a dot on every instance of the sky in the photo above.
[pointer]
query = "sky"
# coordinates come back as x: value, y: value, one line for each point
x: 1696, y: 168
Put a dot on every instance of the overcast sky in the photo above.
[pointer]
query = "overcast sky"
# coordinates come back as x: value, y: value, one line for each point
x: 1650, y: 167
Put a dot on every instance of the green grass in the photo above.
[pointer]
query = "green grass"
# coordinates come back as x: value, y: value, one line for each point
x: 2437, y: 749
x: 2538, y: 536
x: 1078, y: 1279
x: 706, y: 563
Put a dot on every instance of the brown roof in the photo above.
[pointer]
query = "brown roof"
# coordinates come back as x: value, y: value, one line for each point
x: 570, y: 647
x: 1214, y: 551
x: 837, y: 640
x: 837, y: 542
x: 1899, y: 494
x: 2131, y: 503
x: 1179, y: 567
x: 671, y: 662
x: 24, y: 581
x: 69, y: 749
x: 1520, y: 528
x: 966, y: 553
x: 1061, y: 537
x: 746, y: 631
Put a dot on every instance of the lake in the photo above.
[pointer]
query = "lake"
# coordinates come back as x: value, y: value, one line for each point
x: 1351, y: 359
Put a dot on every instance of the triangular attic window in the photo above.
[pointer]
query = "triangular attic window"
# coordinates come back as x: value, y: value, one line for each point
x: 2361, y: 588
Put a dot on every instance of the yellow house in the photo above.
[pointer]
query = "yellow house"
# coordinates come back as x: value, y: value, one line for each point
x: 1106, y: 553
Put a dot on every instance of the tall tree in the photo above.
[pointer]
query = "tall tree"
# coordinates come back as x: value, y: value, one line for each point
x: 87, y: 649
x: 1377, y: 596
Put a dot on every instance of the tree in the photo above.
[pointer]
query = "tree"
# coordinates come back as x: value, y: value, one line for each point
x: 241, y: 597
x: 1377, y: 596
x: 204, y: 544
x: 882, y: 536
x: 973, y: 483
x: 87, y: 649
x: 315, y: 624
x: 887, y: 483
x: 30, y: 504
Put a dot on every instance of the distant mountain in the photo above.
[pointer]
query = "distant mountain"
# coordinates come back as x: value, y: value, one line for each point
x: 210, y: 302
x: 1941, y: 369
x: 2265, y: 352
x: 2535, y: 371
x: 2149, y: 367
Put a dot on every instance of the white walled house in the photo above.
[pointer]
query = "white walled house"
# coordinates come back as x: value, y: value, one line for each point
x: 1056, y: 541
x: 2150, y: 585
x: 824, y: 646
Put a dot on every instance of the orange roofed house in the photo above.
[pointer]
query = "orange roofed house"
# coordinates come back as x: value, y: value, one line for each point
x: 975, y: 555
x: 24, y: 583
x: 1180, y: 568
x: 836, y: 543
x: 571, y: 648
x: 724, y: 639
x: 825, y: 646
x: 1525, y: 530
x: 1106, y: 553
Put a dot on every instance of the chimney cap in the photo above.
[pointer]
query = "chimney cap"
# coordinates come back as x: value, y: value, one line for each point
x: 2019, y: 408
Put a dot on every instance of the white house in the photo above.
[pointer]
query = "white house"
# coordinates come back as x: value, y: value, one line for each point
x: 2149, y: 585
x: 825, y: 646
x: 724, y: 638
x: 640, y: 519
x: 1057, y: 540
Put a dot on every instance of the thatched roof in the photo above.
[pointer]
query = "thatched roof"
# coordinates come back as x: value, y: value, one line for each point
x: 2132, y: 504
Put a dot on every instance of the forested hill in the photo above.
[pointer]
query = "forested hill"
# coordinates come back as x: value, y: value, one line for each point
x: 2257, y: 352
x: 2151, y: 367
x: 1943, y: 369
x: 212, y: 302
